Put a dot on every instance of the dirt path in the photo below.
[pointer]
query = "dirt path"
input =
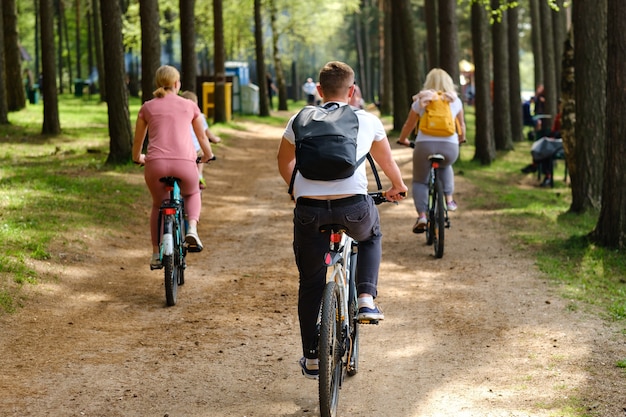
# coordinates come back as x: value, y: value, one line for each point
x: 477, y: 333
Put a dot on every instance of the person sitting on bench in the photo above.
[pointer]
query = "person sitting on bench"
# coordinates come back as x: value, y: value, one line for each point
x: 543, y: 152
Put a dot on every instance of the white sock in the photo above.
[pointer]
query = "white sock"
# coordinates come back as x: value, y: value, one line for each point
x: 366, y: 301
x: 312, y: 364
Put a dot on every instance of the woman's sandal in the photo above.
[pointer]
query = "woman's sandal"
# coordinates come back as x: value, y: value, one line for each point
x: 407, y: 143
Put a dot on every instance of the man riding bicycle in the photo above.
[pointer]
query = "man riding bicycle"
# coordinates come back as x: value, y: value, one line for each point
x: 343, y: 201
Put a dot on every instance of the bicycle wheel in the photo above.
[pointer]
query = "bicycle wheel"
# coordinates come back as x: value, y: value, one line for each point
x: 440, y: 220
x: 430, y: 228
x: 353, y: 311
x: 331, y: 365
x: 170, y: 261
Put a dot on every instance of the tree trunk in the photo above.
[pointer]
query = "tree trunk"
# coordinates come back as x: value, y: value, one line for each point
x: 280, y: 75
x: 559, y: 28
x: 220, y: 62
x: 150, y: 46
x: 432, y: 36
x: 15, y: 93
x: 189, y: 62
x: 501, y: 86
x: 59, y: 50
x: 549, y: 61
x: 448, y: 40
x: 411, y: 61
x: 120, y: 132
x: 51, y: 125
x: 535, y: 35
x: 485, y: 151
x: 97, y: 30
x: 568, y: 104
x: 590, y: 40
x: 401, y: 94
x: 361, y: 55
x: 610, y: 230
x: 515, y: 94
x: 261, y: 75
x: 385, y: 51
x: 4, y: 110
x: 79, y: 19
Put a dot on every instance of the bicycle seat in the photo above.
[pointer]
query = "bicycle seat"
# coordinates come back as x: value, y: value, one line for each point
x: 337, y: 228
x: 169, y: 180
x: 436, y: 157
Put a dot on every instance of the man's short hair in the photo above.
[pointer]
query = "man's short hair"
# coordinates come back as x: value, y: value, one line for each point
x: 335, y: 77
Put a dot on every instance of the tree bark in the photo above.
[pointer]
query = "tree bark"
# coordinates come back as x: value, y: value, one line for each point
x: 189, y: 62
x: 590, y: 40
x: 485, y: 151
x: 4, y: 110
x: 568, y: 104
x: 515, y: 94
x: 385, y: 61
x: 261, y: 75
x: 220, y: 62
x: 448, y: 40
x: 401, y: 94
x: 411, y: 61
x: 97, y: 30
x: 432, y: 36
x: 51, y: 124
x: 535, y: 35
x: 501, y: 86
x: 610, y: 230
x: 549, y: 61
x: 16, y: 96
x: 120, y: 132
x: 150, y: 46
x: 280, y: 75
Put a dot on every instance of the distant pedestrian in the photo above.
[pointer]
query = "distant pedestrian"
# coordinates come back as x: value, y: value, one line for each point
x: 271, y: 89
x: 309, y: 89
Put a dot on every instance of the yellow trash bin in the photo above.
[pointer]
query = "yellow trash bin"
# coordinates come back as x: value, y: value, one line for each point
x: 208, y: 93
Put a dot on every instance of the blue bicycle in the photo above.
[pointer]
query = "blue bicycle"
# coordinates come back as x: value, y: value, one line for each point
x: 172, y: 229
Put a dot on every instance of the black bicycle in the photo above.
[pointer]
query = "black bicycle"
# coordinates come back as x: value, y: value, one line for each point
x: 338, y: 339
x: 438, y: 220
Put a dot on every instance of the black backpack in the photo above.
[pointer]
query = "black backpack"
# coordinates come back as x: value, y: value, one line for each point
x: 326, y: 142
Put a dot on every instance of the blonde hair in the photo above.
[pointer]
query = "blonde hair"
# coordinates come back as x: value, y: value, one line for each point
x: 439, y: 80
x: 165, y: 78
x: 190, y: 95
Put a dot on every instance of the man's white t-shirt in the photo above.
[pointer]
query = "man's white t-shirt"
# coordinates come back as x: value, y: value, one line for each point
x: 370, y: 129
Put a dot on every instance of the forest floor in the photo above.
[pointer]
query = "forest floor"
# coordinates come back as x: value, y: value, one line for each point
x: 479, y: 332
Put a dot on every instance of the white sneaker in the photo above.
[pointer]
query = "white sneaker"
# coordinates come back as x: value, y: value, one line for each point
x: 155, y: 262
x: 193, y: 241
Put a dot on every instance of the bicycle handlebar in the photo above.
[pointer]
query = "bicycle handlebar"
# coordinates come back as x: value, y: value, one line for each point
x: 198, y: 160
x: 379, y: 197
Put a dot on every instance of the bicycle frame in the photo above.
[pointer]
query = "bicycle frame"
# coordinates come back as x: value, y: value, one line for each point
x: 172, y: 249
x: 341, y: 248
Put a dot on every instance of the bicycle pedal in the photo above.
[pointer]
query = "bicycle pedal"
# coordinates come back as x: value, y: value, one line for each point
x: 367, y: 321
x: 152, y: 268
